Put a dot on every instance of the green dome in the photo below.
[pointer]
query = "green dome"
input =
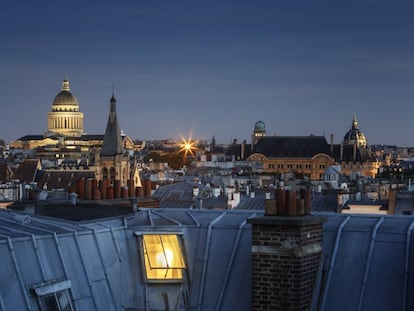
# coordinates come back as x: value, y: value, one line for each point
x: 259, y: 125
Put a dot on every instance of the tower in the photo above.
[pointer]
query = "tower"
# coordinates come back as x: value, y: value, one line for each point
x: 258, y: 132
x: 65, y: 119
x: 114, y: 163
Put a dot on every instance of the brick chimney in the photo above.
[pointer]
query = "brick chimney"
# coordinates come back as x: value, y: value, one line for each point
x: 286, y: 254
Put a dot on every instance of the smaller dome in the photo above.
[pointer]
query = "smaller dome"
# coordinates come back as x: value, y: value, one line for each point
x: 355, y: 136
x: 65, y: 97
x: 259, y: 125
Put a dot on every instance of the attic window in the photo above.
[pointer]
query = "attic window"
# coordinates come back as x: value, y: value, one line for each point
x: 54, y: 296
x: 163, y: 257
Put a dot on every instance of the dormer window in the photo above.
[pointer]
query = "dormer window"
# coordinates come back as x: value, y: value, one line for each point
x: 53, y: 296
x: 162, y: 257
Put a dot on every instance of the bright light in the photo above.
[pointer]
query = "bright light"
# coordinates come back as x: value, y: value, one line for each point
x: 165, y: 258
x: 187, y: 146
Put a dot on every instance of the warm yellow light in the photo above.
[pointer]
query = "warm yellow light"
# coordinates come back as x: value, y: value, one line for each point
x: 163, y: 257
x: 188, y: 146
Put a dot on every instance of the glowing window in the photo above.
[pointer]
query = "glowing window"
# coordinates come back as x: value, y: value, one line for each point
x: 163, y: 257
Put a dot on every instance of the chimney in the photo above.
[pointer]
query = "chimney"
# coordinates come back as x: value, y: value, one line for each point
x: 392, y: 198
x: 242, y: 146
x: 72, y: 198
x: 341, y: 155
x: 286, y: 254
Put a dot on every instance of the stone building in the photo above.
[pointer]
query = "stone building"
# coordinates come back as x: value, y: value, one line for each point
x: 353, y: 154
x: 65, y: 133
x: 113, y: 161
x: 65, y: 117
x: 306, y: 156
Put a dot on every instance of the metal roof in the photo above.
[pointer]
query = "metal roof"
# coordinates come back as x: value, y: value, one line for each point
x: 367, y: 264
x: 367, y: 261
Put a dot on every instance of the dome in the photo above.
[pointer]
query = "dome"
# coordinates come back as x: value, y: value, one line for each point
x: 355, y: 136
x: 259, y: 125
x: 65, y: 97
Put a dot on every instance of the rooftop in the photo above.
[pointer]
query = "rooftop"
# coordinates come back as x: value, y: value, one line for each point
x: 367, y: 261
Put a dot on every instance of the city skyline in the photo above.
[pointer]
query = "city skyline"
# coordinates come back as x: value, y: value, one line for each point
x: 213, y: 68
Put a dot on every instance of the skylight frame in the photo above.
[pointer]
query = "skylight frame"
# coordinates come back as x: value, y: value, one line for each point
x: 156, y: 261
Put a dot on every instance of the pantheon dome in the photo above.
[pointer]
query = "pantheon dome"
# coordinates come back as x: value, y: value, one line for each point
x: 65, y: 118
x: 354, y: 136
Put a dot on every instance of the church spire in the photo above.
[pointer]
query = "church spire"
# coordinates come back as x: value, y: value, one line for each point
x: 112, y: 142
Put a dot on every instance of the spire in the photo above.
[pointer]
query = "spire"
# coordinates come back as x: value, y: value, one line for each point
x: 65, y: 85
x: 112, y: 143
x: 354, y: 122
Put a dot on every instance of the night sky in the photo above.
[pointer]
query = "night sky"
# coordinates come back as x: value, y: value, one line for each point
x: 212, y: 67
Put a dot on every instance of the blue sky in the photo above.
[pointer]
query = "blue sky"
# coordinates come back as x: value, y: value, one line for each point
x: 212, y: 67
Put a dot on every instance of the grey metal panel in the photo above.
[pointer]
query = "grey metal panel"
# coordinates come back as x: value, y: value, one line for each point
x: 111, y: 264
x: 384, y: 269
x: 104, y: 298
x: 90, y: 254
x: 84, y: 304
x: 194, y: 245
x: 386, y: 278
x: 50, y: 258
x: 348, y: 271
x: 237, y: 292
x: 409, y: 298
x: 220, y: 251
x: 131, y: 274
x: 30, y: 269
x: 74, y: 266
x: 233, y: 219
x: 10, y: 291
x: 206, y: 217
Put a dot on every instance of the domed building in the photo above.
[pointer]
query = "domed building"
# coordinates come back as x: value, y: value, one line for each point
x: 354, y: 136
x: 258, y: 132
x: 65, y: 119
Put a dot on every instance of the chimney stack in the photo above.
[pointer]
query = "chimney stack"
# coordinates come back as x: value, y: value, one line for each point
x: 392, y: 198
x: 286, y: 254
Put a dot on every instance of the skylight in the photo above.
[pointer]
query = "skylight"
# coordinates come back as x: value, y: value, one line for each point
x: 163, y: 257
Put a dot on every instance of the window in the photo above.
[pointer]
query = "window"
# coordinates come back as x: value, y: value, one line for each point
x: 163, y: 257
x: 54, y: 296
x: 112, y: 174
